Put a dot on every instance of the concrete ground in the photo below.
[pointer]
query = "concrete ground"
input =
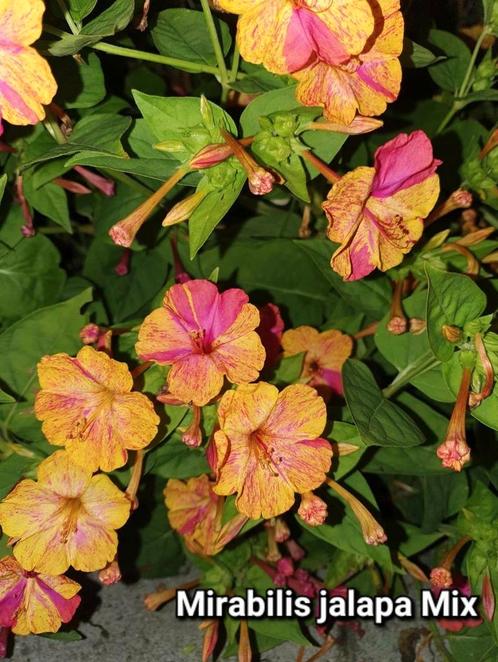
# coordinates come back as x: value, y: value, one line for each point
x: 119, y: 629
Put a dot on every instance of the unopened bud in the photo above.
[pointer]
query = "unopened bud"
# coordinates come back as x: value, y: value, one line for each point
x: 417, y: 326
x: 312, y: 509
x: 397, y: 325
x: 441, y: 578
x: 211, y: 629
x: 192, y: 436
x: 210, y: 156
x: 183, y: 210
x: 451, y: 333
x: 111, y: 574
x: 89, y: 334
x: 282, y: 532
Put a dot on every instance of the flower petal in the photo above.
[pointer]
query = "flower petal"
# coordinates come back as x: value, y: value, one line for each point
x: 195, y: 379
x: 299, y: 414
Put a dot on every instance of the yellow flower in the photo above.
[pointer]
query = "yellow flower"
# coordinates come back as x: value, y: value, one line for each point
x: 86, y: 405
x: 66, y: 517
x: 26, y: 82
x: 269, y: 446
x: 31, y: 603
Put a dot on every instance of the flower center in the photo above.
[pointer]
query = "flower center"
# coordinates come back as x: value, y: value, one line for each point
x: 266, y: 455
x: 351, y: 65
x: 199, y: 343
x: 71, y: 511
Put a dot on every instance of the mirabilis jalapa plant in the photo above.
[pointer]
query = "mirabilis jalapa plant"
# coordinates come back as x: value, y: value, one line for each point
x: 288, y: 384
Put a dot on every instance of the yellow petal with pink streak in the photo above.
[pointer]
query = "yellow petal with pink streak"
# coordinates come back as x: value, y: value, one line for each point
x: 246, y: 409
x: 85, y: 404
x: 345, y: 202
x: 296, y: 341
x: 195, y: 379
x: 59, y: 475
x: 350, y: 21
x: 106, y: 503
x: 44, y: 550
x: 327, y: 87
x: 27, y: 508
x: 299, y: 413
x: 333, y: 348
x: 379, y: 84
x: 239, y: 352
x: 261, y: 34
x: 26, y: 81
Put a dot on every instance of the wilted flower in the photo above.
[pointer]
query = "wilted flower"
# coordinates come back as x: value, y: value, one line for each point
x: 26, y: 82
x: 268, y: 447
x: 195, y: 511
x: 86, y: 405
x: 33, y: 604
x: 373, y: 533
x: 67, y: 517
x: 376, y: 214
x: 325, y: 354
x: 204, y: 336
x: 260, y: 179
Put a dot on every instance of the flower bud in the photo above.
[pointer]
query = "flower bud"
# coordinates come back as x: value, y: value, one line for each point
x: 211, y: 630
x: 451, y: 333
x: 183, y: 210
x: 192, y: 436
x: 441, y: 578
x: 358, y: 125
x: 89, y: 334
x: 210, y: 156
x: 454, y: 451
x: 488, y: 598
x: 282, y: 532
x: 111, y: 574
x: 417, y: 325
x: 312, y: 509
x: 104, y: 185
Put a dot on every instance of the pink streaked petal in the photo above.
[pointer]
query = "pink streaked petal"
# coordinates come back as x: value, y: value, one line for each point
x: 308, y: 38
x: 163, y: 338
x: 66, y: 607
x: 10, y: 603
x: 403, y: 162
x: 195, y: 379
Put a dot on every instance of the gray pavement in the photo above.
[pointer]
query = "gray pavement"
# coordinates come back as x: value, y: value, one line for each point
x: 119, y: 629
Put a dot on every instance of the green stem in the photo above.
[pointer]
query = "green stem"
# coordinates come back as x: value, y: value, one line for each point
x: 69, y: 19
x: 234, y: 70
x: 192, y: 67
x: 215, y: 41
x: 464, y: 89
x: 424, y: 363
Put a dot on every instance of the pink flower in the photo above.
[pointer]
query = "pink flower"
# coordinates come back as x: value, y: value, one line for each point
x: 204, y: 336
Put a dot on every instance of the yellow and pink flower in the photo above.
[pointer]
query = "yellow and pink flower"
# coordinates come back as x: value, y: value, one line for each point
x: 285, y: 36
x: 33, y: 604
x: 86, y: 405
x: 325, y: 354
x: 26, y: 81
x: 269, y: 446
x: 195, y: 512
x: 204, y: 336
x: 365, y: 81
x: 66, y: 518
x: 377, y: 214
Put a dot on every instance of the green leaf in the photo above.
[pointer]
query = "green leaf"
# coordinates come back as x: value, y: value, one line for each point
x: 112, y: 20
x: 211, y: 210
x: 379, y: 422
x: 50, y: 200
x: 3, y: 182
x: 84, y: 84
x: 289, y: 369
x: 11, y: 471
x: 452, y: 300
x: 416, y: 56
x: 81, y: 8
x: 405, y: 350
x: 183, y: 33
x: 30, y: 277
x: 450, y: 73
x: 170, y: 118
x: 174, y: 459
x: 45, y: 331
x: 281, y: 629
x: 126, y: 295
x: 5, y: 398
x: 371, y: 295
x: 70, y: 635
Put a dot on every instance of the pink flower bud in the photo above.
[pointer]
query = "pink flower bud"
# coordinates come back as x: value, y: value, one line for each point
x: 312, y: 509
